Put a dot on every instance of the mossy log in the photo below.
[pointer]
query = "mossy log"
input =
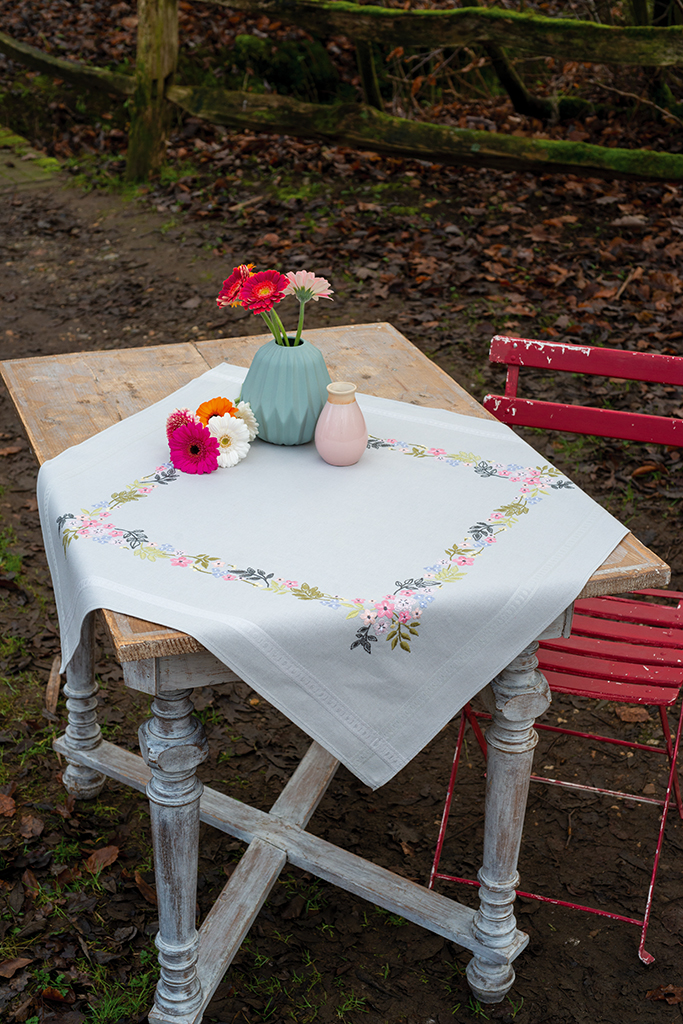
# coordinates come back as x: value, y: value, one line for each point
x: 363, y: 127
x: 524, y: 33
x: 79, y: 74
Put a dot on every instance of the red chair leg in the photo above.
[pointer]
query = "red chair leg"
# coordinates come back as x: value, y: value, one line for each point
x: 464, y: 715
x: 667, y: 737
x: 672, y: 784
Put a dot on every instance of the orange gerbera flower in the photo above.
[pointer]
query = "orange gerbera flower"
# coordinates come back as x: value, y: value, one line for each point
x: 216, y: 407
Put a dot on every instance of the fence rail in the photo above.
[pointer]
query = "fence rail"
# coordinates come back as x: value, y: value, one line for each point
x: 153, y: 89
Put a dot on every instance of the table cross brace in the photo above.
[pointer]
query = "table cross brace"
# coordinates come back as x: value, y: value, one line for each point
x: 276, y: 838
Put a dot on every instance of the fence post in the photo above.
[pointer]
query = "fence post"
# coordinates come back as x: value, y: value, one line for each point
x: 368, y: 74
x: 155, y: 65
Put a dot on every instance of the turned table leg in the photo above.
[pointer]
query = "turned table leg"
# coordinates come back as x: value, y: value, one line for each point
x: 515, y: 698
x: 82, y: 732
x: 173, y: 744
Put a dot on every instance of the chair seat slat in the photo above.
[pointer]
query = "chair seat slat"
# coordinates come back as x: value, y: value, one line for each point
x: 610, y: 689
x: 599, y: 648
x: 630, y: 611
x: 628, y: 632
x: 607, y: 668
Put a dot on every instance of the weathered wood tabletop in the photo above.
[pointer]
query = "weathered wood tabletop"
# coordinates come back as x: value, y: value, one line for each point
x: 65, y: 399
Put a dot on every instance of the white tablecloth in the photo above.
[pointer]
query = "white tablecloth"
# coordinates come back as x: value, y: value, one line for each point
x: 368, y: 603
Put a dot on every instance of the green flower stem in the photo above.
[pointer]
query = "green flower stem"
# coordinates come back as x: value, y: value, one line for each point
x: 274, y: 325
x: 302, y: 307
x: 281, y: 326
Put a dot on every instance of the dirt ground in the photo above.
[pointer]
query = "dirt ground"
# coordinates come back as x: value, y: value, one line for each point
x: 89, y: 270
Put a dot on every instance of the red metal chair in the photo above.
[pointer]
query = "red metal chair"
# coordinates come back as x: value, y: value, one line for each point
x: 626, y: 649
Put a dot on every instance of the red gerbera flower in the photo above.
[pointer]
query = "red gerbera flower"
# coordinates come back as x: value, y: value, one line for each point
x: 261, y: 291
x: 193, y: 449
x: 229, y: 293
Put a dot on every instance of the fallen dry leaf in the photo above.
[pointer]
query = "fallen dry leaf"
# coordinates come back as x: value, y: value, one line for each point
x: 12, y: 450
x: 101, y: 859
x: 669, y: 993
x: 7, y: 806
x: 9, y: 968
x: 30, y: 826
x: 147, y: 890
x: 30, y: 882
x: 633, y: 714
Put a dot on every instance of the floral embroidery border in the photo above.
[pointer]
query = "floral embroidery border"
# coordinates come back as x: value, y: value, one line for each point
x: 396, y: 616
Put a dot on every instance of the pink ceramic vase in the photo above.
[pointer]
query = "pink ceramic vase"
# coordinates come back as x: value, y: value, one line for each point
x: 341, y: 436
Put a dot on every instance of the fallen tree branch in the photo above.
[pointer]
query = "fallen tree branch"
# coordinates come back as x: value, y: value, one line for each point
x: 641, y: 99
x: 364, y: 127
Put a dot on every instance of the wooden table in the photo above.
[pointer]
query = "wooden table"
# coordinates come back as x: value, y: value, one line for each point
x: 63, y: 400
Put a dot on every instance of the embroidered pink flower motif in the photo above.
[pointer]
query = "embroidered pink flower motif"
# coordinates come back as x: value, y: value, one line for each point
x: 496, y: 516
x: 404, y: 616
x: 182, y: 561
x: 291, y: 584
x: 436, y: 451
x: 462, y: 560
x: 228, y: 576
x: 193, y: 449
x: 490, y: 540
x: 406, y: 593
x: 385, y: 607
x: 369, y: 617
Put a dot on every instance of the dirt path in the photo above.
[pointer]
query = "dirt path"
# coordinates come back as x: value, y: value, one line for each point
x: 84, y: 271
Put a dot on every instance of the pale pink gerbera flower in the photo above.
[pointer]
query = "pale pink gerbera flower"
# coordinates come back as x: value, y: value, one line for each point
x: 178, y: 418
x: 304, y: 286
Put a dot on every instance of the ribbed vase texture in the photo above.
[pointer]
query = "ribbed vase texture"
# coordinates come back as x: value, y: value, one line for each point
x: 286, y: 389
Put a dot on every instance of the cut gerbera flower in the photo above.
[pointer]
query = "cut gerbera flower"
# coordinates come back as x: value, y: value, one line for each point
x: 216, y: 407
x: 232, y: 435
x: 194, y: 449
x: 261, y: 292
x: 304, y: 286
x: 229, y: 294
x: 244, y: 412
x: 177, y: 419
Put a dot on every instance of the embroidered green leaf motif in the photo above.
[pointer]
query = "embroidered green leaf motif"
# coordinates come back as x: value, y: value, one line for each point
x: 449, y: 574
x: 457, y: 550
x: 306, y: 593
x: 202, y: 561
x: 548, y: 471
x: 465, y: 457
x: 356, y: 609
x: 150, y: 554
x: 67, y: 537
x: 121, y: 497
x: 516, y: 508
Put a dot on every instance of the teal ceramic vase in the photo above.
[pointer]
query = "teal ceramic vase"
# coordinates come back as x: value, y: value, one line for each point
x: 286, y: 387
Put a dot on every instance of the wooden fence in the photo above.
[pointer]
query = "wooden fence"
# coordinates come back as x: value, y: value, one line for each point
x: 153, y: 88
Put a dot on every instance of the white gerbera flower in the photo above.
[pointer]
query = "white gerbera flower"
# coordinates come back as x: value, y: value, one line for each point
x: 232, y: 435
x: 244, y: 412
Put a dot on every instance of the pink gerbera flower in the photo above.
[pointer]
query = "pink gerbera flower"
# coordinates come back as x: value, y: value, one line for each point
x: 179, y: 418
x: 229, y: 294
x: 193, y: 449
x: 306, y: 286
x: 261, y: 291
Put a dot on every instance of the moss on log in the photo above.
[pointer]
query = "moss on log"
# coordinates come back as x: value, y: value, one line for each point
x: 155, y: 65
x: 79, y: 74
x: 366, y: 128
x: 524, y: 33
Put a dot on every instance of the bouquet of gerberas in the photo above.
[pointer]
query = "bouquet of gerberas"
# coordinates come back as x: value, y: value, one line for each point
x: 217, y: 435
x: 261, y: 291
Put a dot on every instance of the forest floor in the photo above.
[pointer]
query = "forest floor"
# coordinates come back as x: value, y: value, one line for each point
x: 450, y: 257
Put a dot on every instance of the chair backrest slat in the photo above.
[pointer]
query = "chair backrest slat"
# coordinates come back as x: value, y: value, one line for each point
x: 581, y: 419
x: 604, y: 362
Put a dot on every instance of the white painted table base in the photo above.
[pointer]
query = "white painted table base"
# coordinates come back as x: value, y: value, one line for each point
x: 173, y: 745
